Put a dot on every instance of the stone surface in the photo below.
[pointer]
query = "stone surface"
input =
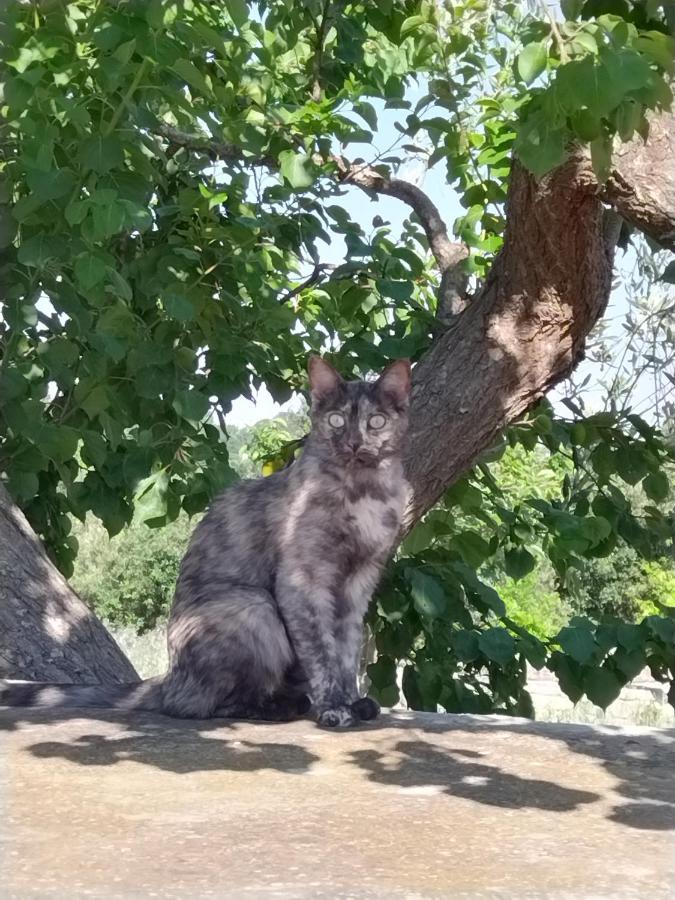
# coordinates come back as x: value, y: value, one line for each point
x: 113, y: 805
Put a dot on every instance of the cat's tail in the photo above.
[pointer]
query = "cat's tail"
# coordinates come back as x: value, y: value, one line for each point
x: 142, y: 695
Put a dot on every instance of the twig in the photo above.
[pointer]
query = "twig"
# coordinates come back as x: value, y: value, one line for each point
x: 315, y: 276
x: 321, y: 28
x: 555, y: 31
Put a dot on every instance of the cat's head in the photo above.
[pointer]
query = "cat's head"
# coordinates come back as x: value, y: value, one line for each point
x: 359, y: 423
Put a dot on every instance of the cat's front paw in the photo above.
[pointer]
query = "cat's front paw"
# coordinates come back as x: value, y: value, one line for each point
x: 337, y: 717
x: 365, y: 709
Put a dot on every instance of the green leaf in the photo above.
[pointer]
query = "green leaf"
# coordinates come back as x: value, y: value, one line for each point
x: 571, y: 9
x: 427, y: 593
x: 150, y: 500
x: 76, y: 212
x: 472, y: 547
x: 630, y: 636
x: 138, y: 218
x: 102, y: 153
x: 498, y: 645
x: 669, y: 273
x: 586, y: 83
x: 179, y: 306
x: 238, y: 10
x: 631, y: 463
x: 483, y: 592
x: 95, y: 401
x: 532, y: 61
x: 465, y: 645
x: 58, y: 442
x: 187, y: 70
x: 52, y: 184
x: 533, y: 649
x: 629, y: 662
x: 569, y: 675
x: 120, y: 285
x: 419, y: 539
x: 602, y: 686
x: 108, y: 220
x: 628, y: 117
x: 296, y: 168
x: 578, y: 643
x: 603, y: 461
x: 90, y: 270
x: 23, y: 486
x: 518, y: 562
x: 382, y: 673
x: 58, y: 353
x: 411, y: 24
x: 662, y: 628
x: 656, y: 486
x: 191, y: 405
x: 625, y: 69
x: 660, y: 47
x: 541, y: 145
x: 39, y: 250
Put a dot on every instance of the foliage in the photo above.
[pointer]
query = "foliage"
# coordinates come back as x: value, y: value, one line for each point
x: 130, y: 579
x: 167, y: 184
x: 441, y: 617
x: 533, y: 603
x: 271, y: 444
x: 619, y: 585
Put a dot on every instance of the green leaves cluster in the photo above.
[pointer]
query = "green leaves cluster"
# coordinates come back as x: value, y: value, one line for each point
x: 441, y: 621
x: 145, y: 280
x: 594, y: 77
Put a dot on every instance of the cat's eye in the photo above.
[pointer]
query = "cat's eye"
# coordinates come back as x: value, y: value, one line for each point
x: 335, y: 420
x: 377, y: 421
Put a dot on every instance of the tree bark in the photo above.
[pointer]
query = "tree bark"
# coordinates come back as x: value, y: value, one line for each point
x: 520, y: 336
x: 46, y: 632
x: 641, y: 186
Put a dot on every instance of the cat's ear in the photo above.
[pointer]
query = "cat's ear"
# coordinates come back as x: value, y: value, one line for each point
x: 323, y: 379
x: 394, y: 382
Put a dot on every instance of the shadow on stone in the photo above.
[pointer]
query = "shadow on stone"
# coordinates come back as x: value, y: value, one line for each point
x: 419, y: 764
x: 177, y: 746
x: 641, y: 762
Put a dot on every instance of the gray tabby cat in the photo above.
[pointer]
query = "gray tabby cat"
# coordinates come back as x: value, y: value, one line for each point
x: 268, y: 612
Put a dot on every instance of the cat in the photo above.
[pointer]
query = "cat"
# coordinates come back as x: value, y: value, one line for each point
x: 267, y: 616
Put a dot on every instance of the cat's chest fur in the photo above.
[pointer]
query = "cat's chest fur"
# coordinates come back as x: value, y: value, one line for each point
x: 350, y: 519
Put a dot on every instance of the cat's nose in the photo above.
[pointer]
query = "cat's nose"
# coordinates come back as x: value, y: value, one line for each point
x: 355, y: 446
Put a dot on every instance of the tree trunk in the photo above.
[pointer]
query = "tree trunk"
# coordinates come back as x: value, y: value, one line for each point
x: 46, y: 632
x: 520, y: 336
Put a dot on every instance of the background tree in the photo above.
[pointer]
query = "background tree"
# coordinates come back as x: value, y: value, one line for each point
x: 173, y: 174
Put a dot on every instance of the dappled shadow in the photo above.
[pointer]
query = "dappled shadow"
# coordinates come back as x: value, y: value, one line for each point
x: 179, y: 746
x: 420, y: 764
x: 641, y: 762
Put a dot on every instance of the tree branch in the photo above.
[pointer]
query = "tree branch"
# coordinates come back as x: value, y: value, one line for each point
x: 215, y: 150
x: 448, y: 254
x: 315, y: 276
x: 641, y: 186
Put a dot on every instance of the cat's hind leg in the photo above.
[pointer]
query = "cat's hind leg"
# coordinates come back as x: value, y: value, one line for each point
x: 227, y: 655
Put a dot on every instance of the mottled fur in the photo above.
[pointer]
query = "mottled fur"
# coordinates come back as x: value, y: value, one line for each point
x: 269, y: 605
